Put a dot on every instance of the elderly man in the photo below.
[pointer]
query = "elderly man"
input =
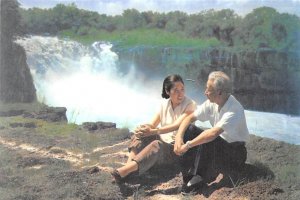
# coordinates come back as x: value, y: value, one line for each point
x: 221, y: 147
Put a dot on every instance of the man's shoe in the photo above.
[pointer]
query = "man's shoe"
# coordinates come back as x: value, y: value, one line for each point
x: 192, y: 186
x: 195, y: 180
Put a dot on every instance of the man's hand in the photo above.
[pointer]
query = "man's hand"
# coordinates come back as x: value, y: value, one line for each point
x: 184, y: 148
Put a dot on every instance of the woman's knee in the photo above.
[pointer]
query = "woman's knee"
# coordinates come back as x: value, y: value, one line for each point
x: 155, y: 145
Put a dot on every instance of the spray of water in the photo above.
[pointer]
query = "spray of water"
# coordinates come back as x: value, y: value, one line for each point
x: 87, y: 82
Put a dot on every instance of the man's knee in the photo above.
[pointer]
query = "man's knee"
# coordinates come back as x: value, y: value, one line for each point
x: 191, y: 132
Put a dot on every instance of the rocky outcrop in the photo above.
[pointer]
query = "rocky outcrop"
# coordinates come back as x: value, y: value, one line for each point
x: 263, y: 79
x: 50, y: 114
x: 16, y: 84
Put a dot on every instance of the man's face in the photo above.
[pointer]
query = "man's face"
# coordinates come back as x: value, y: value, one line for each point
x: 210, y: 91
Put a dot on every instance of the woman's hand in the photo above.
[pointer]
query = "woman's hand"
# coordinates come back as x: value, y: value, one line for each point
x: 143, y: 130
x: 178, y: 145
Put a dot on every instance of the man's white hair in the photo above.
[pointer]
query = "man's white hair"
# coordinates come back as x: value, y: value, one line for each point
x: 221, y: 81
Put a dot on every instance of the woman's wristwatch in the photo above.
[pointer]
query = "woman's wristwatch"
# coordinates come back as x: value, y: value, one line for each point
x: 188, y: 144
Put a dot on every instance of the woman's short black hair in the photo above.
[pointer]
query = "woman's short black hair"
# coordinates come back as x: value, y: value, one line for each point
x: 169, y: 83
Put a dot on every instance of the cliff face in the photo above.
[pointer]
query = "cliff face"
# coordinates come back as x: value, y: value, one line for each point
x: 16, y: 84
x: 265, y: 80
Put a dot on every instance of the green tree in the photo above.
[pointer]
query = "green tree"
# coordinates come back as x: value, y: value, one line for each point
x: 176, y: 21
x: 155, y: 19
x: 10, y: 19
x: 132, y: 19
x: 286, y: 31
x: 66, y: 16
x: 194, y: 27
x: 211, y: 23
x: 256, y: 28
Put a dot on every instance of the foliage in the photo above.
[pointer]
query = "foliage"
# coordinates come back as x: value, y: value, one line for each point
x: 263, y: 27
x: 10, y: 19
x: 142, y: 37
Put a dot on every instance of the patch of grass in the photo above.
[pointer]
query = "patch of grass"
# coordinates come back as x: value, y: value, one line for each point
x: 56, y: 129
x: 5, y: 121
x: 71, y: 136
x: 43, y: 127
x: 137, y: 37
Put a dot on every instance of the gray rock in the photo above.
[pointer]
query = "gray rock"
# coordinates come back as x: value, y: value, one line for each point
x: 11, y: 113
x: 16, y: 124
x: 93, y: 126
x: 51, y: 114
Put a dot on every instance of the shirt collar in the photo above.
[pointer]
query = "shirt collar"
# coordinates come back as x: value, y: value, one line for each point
x: 227, y: 103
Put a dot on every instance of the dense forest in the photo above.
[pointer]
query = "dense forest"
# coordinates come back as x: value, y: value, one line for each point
x: 263, y: 27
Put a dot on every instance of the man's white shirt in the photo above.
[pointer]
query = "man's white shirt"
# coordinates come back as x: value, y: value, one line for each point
x: 231, y: 118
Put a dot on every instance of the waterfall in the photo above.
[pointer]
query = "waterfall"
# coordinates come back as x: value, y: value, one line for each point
x: 87, y: 80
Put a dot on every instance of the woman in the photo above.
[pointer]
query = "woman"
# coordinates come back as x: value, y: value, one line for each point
x: 151, y: 143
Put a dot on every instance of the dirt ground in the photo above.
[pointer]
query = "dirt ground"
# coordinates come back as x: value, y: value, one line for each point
x: 37, y: 162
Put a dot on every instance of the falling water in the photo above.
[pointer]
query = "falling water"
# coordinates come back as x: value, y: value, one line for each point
x: 87, y: 81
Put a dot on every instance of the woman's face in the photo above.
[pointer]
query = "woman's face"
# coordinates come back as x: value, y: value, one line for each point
x: 177, y: 93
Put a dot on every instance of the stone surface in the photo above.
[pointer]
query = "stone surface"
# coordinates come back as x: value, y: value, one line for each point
x: 94, y: 126
x: 51, y: 114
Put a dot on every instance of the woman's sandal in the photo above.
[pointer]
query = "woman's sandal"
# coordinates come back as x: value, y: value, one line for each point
x: 117, y: 176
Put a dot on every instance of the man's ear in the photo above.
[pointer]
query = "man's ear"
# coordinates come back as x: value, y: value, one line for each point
x: 220, y: 92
